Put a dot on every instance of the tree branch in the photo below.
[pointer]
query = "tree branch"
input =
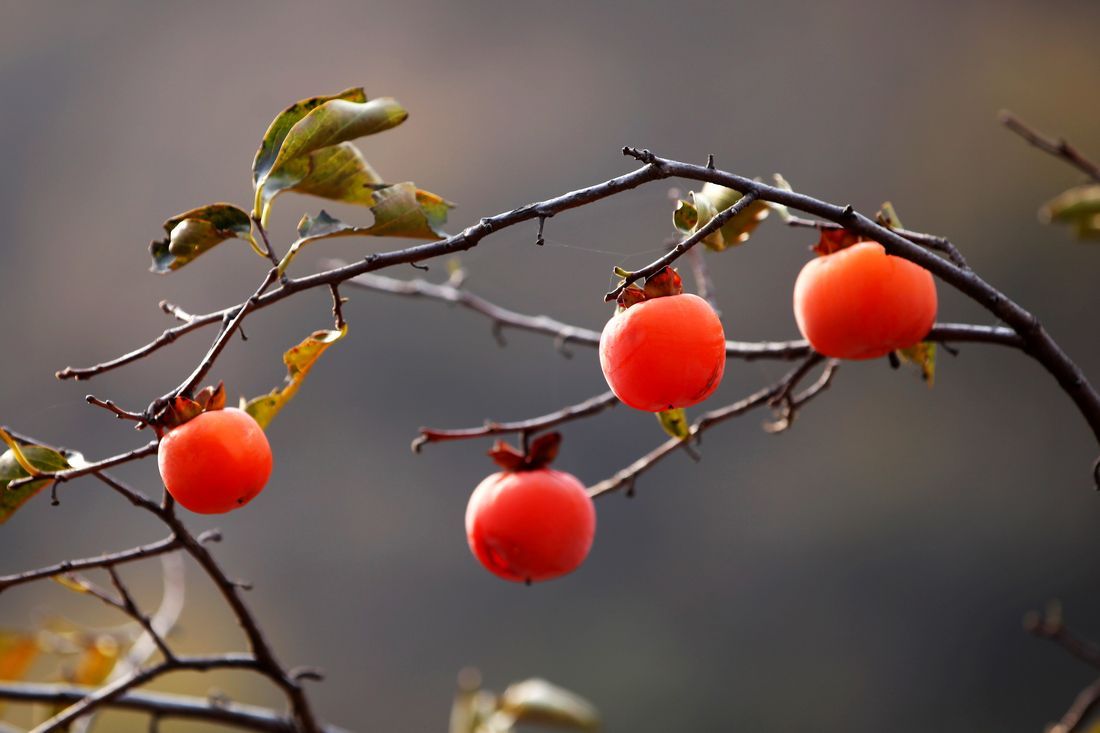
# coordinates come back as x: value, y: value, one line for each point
x: 591, y: 406
x: 70, y: 473
x: 169, y: 544
x: 163, y: 705
x: 1058, y: 147
x: 627, y: 476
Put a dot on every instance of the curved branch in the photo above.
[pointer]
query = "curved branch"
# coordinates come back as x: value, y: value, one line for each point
x: 591, y: 406
x: 107, y: 560
x: 70, y: 473
x: 627, y: 476
x: 107, y: 693
x: 1058, y: 147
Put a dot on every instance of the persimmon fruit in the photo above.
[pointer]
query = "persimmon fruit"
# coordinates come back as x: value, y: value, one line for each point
x: 663, y: 351
x: 528, y: 522
x: 216, y: 462
x: 861, y: 303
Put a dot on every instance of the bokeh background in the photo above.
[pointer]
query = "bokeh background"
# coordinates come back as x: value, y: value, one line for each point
x: 867, y: 570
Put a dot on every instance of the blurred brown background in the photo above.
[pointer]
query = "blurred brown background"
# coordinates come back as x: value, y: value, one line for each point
x: 865, y: 571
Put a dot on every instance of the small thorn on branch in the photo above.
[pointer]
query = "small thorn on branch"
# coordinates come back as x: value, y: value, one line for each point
x: 539, y: 240
x: 210, y: 535
x: 418, y: 266
x: 306, y: 673
x: 710, y: 161
x: 338, y: 307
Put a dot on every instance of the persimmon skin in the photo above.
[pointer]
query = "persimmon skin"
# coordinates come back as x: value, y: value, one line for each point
x: 861, y: 303
x: 216, y: 462
x: 664, y: 353
x: 528, y: 526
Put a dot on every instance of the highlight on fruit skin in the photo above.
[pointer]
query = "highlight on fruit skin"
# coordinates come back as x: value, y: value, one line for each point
x: 861, y: 303
x: 663, y: 348
x: 216, y: 462
x: 528, y: 522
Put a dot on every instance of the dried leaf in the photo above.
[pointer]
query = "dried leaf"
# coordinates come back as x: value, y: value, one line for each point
x: 299, y: 360
x: 194, y: 232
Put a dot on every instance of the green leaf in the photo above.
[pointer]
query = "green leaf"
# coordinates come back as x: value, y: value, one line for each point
x: 299, y: 360
x: 401, y: 210
x: 538, y: 702
x: 41, y: 458
x: 675, y: 423
x: 707, y: 203
x: 1079, y: 207
x: 923, y: 357
x: 288, y: 118
x: 332, y: 122
x: 196, y: 231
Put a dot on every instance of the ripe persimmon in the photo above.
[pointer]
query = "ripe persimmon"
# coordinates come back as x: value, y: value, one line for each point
x: 663, y: 348
x: 529, y: 522
x: 216, y: 462
x: 861, y: 303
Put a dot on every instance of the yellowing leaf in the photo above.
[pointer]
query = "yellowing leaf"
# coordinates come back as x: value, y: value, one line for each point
x: 538, y: 702
x: 708, y: 203
x: 339, y: 172
x: 1079, y: 207
x: 284, y: 121
x: 17, y: 652
x: 332, y: 122
x: 194, y: 232
x: 299, y: 360
x: 96, y: 662
x: 675, y: 423
x: 41, y: 458
x: 400, y: 210
x: 922, y: 356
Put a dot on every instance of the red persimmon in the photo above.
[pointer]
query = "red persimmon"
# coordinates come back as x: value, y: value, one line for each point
x: 664, y: 352
x: 531, y: 523
x: 216, y: 462
x: 861, y: 303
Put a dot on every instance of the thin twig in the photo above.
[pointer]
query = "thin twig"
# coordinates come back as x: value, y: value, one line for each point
x: 931, y: 241
x: 591, y: 406
x: 118, y: 411
x: 1056, y: 146
x: 719, y: 220
x: 69, y: 474
x: 627, y: 476
x: 153, y: 549
x: 164, y: 705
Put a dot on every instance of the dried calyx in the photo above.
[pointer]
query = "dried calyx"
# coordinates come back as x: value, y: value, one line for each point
x: 661, y: 284
x: 182, y: 409
x: 540, y: 453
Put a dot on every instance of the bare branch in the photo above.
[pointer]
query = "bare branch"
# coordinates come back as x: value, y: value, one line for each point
x: 931, y: 241
x: 153, y: 549
x: 163, y: 705
x: 1058, y: 147
x: 70, y: 473
x: 627, y: 476
x: 591, y: 406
